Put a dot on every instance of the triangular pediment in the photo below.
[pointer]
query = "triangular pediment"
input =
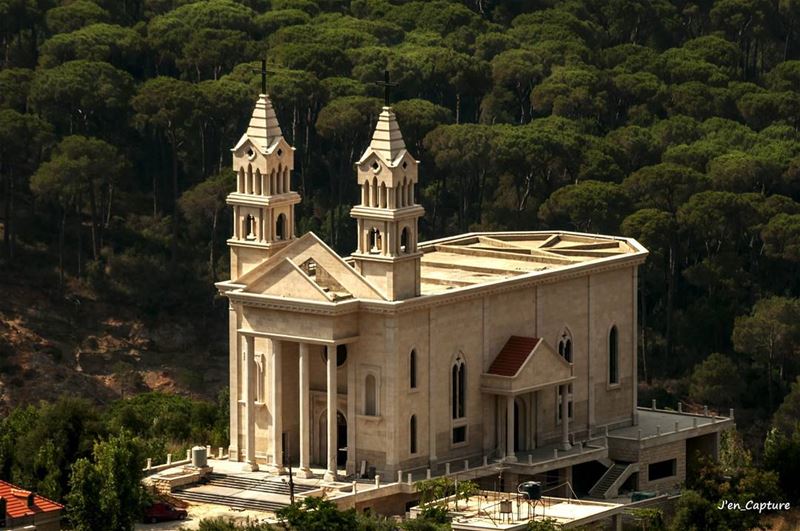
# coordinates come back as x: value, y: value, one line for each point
x: 330, y: 275
x: 287, y: 280
x: 537, y: 366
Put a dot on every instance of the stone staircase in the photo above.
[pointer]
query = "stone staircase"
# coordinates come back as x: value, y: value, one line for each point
x: 229, y: 501
x: 201, y: 493
x: 604, y: 488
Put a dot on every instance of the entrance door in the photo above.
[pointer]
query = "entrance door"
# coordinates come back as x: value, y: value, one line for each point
x: 341, y: 437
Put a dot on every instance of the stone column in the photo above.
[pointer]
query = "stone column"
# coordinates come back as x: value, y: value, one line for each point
x: 305, y: 413
x: 276, y: 403
x: 250, y: 408
x: 510, y: 455
x: 565, y: 418
x: 333, y: 446
x: 233, y: 382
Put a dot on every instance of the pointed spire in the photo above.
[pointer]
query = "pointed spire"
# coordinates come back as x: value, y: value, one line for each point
x: 387, y: 140
x: 264, y: 128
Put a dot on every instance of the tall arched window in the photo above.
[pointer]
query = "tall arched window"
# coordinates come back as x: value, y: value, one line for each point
x: 412, y: 430
x: 240, y: 184
x: 257, y: 182
x: 412, y: 369
x: 458, y: 388
x: 249, y: 182
x: 565, y: 345
x: 280, y: 227
x: 383, y: 195
x: 370, y: 396
x: 366, y: 197
x: 613, y: 356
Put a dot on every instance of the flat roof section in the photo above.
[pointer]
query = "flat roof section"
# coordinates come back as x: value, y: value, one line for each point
x: 478, y: 258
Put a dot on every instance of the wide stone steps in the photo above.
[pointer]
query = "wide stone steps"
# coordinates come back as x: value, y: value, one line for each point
x: 229, y: 501
x: 258, y: 485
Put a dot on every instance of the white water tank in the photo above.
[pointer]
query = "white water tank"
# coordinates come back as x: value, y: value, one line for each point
x: 199, y: 456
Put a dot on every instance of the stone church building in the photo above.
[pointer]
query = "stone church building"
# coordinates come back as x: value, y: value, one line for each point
x: 407, y: 355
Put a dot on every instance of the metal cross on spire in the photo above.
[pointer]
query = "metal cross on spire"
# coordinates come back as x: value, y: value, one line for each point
x: 387, y: 85
x: 263, y: 76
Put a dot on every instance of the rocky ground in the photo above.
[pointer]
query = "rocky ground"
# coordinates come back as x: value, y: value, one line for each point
x: 52, y: 345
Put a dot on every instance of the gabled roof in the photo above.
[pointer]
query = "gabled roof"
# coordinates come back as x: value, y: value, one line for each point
x: 387, y: 140
x: 17, y: 502
x: 525, y: 364
x: 513, y: 354
x: 308, y: 269
x: 263, y: 130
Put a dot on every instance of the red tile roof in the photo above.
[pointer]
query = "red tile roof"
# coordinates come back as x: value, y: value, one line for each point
x: 17, y: 501
x: 513, y: 355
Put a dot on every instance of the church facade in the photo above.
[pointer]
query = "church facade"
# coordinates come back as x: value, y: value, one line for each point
x: 409, y: 354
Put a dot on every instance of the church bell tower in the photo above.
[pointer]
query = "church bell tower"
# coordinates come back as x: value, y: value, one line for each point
x: 388, y: 215
x: 263, y: 203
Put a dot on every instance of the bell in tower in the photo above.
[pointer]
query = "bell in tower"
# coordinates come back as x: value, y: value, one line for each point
x: 388, y: 215
x: 263, y: 203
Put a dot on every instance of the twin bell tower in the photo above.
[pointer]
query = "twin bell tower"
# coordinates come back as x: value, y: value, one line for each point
x: 387, y: 217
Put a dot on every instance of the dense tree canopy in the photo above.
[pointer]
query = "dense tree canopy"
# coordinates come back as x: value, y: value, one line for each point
x: 673, y: 123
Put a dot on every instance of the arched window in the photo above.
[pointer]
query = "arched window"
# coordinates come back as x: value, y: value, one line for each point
x: 383, y: 195
x: 412, y: 369
x: 287, y: 183
x: 365, y: 199
x: 250, y: 226
x: 412, y: 430
x: 370, y: 396
x: 280, y: 227
x: 374, y: 241
x: 272, y: 185
x: 240, y: 184
x: 404, y: 247
x: 374, y: 191
x: 458, y: 388
x: 249, y: 183
x: 257, y: 182
x: 613, y: 356
x: 565, y: 345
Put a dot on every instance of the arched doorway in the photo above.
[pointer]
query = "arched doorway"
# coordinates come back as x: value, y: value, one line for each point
x: 341, y: 435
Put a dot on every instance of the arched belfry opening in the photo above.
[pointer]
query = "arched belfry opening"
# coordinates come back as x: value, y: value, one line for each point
x: 280, y: 227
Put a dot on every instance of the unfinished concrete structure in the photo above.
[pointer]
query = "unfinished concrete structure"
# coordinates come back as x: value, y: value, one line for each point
x: 433, y: 357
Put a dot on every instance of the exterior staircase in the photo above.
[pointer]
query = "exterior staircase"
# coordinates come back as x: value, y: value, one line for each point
x: 201, y: 493
x: 609, y: 483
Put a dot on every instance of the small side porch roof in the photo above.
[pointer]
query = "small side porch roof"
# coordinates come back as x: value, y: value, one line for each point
x: 525, y: 364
